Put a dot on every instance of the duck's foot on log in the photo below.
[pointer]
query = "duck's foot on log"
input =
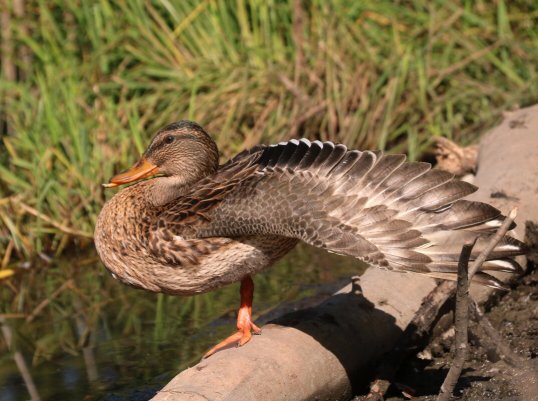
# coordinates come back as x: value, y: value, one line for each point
x: 245, y: 325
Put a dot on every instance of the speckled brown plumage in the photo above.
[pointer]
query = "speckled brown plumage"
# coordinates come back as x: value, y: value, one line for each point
x: 201, y: 226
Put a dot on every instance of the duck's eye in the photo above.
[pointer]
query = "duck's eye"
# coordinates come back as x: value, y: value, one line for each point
x: 169, y: 139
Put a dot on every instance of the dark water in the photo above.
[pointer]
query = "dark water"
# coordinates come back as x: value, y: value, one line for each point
x: 95, y: 339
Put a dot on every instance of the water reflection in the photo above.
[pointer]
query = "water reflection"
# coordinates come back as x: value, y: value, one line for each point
x: 85, y: 336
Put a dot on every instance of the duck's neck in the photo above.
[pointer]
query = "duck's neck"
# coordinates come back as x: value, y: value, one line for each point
x: 163, y: 190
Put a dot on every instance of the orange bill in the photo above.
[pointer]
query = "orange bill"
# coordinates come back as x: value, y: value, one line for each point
x: 142, y: 169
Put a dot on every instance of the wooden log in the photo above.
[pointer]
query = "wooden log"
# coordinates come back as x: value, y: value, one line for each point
x: 313, y: 353
x: 318, y: 352
x: 507, y: 175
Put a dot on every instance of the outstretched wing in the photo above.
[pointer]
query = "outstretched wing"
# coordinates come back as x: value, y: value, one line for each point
x: 376, y: 207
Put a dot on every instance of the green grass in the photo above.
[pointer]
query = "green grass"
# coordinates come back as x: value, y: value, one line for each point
x: 104, y: 75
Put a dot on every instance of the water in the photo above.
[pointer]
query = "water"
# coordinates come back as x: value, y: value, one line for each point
x: 93, y: 338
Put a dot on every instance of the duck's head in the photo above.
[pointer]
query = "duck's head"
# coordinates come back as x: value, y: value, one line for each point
x: 181, y: 149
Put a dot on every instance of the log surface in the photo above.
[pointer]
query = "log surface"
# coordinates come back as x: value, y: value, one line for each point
x: 311, y: 354
x: 316, y: 353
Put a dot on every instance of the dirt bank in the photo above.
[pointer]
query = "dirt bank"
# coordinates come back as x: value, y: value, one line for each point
x: 485, y: 376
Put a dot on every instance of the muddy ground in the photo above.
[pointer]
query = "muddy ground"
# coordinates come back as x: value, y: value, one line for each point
x: 485, y: 376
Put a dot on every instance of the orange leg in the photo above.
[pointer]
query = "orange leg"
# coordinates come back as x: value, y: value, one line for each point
x: 244, y: 319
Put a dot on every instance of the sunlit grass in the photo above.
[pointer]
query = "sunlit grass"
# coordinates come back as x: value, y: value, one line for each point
x: 105, y: 75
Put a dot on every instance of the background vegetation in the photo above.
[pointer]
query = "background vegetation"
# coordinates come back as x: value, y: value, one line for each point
x: 86, y: 83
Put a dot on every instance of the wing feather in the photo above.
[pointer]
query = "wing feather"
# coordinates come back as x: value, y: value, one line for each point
x: 379, y: 208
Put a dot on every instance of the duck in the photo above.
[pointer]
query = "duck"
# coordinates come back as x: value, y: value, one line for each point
x: 188, y: 225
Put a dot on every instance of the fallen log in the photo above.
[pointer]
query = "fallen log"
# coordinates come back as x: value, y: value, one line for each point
x: 317, y: 353
x: 314, y: 353
x: 507, y: 175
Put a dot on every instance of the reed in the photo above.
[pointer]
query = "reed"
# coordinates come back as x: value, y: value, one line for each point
x: 100, y: 77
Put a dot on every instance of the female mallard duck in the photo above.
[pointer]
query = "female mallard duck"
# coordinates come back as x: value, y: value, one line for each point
x: 196, y: 226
